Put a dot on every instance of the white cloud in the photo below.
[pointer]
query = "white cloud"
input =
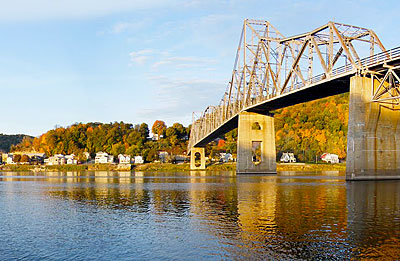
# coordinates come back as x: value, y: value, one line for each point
x: 184, y: 62
x: 121, y: 27
x: 177, y: 98
x: 141, y: 57
x: 163, y: 58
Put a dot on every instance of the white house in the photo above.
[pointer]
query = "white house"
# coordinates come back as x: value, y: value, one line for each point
x: 124, y: 159
x: 71, y: 159
x: 8, y: 158
x: 288, y: 157
x: 138, y: 160
x: 57, y: 159
x: 330, y: 158
x: 163, y: 156
x: 225, y: 157
x: 103, y: 157
x: 157, y: 137
x: 87, y: 155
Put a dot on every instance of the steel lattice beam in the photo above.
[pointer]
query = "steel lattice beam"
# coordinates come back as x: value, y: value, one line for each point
x: 268, y: 65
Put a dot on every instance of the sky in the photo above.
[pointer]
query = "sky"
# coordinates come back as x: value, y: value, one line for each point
x: 63, y: 62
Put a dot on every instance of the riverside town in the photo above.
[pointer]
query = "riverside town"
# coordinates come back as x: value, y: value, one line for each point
x: 200, y: 130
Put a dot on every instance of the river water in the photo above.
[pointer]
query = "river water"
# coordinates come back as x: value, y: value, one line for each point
x: 196, y: 215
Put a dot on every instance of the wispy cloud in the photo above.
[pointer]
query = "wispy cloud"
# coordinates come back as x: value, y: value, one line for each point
x: 183, y: 61
x: 121, y: 27
x: 176, y: 98
x: 140, y: 57
x: 160, y: 59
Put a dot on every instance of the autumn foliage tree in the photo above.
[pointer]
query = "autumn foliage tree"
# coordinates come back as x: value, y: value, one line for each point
x: 113, y: 138
x: 159, y: 128
x: 310, y: 129
x: 307, y: 129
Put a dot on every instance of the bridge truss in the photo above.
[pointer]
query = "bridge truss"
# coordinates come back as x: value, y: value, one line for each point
x: 269, y: 65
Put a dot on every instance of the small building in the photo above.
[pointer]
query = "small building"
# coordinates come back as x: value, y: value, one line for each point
x: 157, y: 137
x: 124, y: 159
x: 8, y: 158
x: 86, y: 155
x: 37, y: 160
x: 138, y: 160
x: 330, y: 158
x: 180, y: 159
x: 225, y: 157
x: 58, y: 159
x: 163, y: 156
x: 288, y: 157
x: 103, y: 158
x: 71, y: 159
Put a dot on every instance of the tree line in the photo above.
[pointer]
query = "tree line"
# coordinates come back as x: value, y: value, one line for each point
x: 114, y: 138
x: 307, y: 129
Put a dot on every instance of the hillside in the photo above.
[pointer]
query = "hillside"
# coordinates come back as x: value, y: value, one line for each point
x: 312, y: 128
x: 308, y: 130
x: 6, y: 141
x: 113, y: 138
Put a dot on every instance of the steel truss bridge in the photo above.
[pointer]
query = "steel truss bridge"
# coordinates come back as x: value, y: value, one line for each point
x: 272, y: 71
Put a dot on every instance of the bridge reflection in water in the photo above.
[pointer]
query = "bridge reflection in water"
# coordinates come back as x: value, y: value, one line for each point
x: 226, y: 216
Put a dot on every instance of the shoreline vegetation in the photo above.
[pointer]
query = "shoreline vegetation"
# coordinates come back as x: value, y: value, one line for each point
x: 168, y: 167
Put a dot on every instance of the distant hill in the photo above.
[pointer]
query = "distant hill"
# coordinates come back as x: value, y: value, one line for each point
x: 7, y: 140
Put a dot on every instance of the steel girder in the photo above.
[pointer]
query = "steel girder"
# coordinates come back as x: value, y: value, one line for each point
x: 267, y: 65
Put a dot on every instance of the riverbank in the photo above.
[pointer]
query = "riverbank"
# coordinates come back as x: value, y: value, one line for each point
x: 310, y: 166
x: 230, y: 166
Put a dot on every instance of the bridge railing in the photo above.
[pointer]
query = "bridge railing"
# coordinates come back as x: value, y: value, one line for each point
x: 211, y: 121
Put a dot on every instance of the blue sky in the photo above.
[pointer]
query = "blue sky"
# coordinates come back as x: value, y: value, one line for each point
x: 71, y: 61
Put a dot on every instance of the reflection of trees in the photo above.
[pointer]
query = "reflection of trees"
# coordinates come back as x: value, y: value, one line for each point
x: 105, y: 191
x: 214, y: 203
x: 374, y: 224
x: 283, y: 218
x: 311, y: 218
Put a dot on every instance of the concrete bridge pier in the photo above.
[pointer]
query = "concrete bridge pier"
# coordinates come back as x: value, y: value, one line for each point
x: 256, y: 144
x: 373, y: 139
x: 197, y: 158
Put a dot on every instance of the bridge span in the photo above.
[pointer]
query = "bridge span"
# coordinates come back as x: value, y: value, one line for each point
x: 272, y: 71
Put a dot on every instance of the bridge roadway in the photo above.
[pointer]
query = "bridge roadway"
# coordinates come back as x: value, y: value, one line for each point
x: 319, y: 87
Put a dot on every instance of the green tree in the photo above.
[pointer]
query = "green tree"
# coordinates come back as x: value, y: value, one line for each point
x: 152, y: 155
x: 144, y: 130
x: 117, y: 149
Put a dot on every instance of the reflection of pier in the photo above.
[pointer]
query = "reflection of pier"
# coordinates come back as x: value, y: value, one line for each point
x: 373, y: 219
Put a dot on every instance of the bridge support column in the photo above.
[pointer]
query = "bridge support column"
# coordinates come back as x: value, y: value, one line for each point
x: 197, y: 158
x: 256, y: 144
x: 373, y: 139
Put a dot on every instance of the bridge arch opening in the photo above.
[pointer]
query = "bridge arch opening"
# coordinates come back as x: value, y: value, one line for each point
x: 197, y: 159
x: 256, y: 152
x: 256, y: 126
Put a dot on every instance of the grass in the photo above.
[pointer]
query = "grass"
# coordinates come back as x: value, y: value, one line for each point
x: 230, y: 166
x: 162, y: 167
x: 309, y: 166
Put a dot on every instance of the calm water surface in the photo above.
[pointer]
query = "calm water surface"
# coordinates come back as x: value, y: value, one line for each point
x: 188, y: 215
